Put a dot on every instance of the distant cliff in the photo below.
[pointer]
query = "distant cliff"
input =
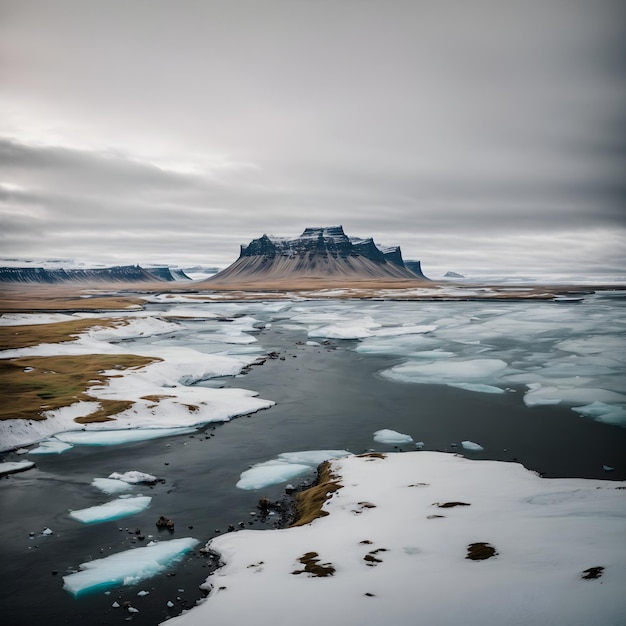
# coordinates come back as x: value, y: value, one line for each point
x: 117, y: 274
x: 324, y: 252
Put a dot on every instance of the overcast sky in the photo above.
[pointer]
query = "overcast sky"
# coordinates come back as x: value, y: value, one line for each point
x: 479, y: 135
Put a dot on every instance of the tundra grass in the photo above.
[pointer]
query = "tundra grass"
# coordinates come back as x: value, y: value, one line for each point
x: 32, y: 335
x: 309, y: 502
x: 58, y: 381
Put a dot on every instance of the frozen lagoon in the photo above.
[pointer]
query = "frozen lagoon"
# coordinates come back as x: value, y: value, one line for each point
x: 328, y: 397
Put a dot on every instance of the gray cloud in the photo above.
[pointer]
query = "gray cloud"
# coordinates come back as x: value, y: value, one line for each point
x: 478, y: 134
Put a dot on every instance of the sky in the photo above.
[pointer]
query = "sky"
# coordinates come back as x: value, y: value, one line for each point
x: 481, y: 136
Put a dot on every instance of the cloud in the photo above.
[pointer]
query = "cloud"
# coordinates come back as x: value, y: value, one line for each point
x: 486, y: 131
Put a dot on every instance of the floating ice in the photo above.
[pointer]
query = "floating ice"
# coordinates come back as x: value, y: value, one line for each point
x: 122, y: 507
x: 470, y: 445
x: 405, y: 330
x: 391, y: 437
x: 129, y: 567
x: 313, y: 343
x: 12, y: 467
x: 51, y: 446
x: 110, y: 486
x: 479, y: 387
x: 133, y: 477
x: 288, y: 465
x: 602, y: 412
x: 345, y: 331
x: 445, y: 371
x: 116, y: 437
x: 539, y: 394
x: 270, y: 473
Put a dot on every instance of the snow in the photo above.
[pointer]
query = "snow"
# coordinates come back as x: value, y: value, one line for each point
x: 286, y: 466
x: 115, y: 509
x: 400, y: 559
x: 111, y: 486
x: 129, y: 567
x: 134, y: 477
x: 31, y: 319
x: 391, y: 437
x: 12, y: 467
x: 168, y: 379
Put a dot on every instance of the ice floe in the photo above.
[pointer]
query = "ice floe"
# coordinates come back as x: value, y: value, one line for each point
x: 286, y: 466
x: 391, y: 437
x: 111, y: 486
x: 602, y: 412
x: 129, y: 567
x: 115, y: 509
x: 472, y: 446
x: 116, y: 437
x: 487, y: 542
x: 12, y: 467
x: 51, y: 446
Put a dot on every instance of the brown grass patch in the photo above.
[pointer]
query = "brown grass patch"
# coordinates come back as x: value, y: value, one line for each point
x: 32, y: 335
x: 58, y: 381
x: 312, y: 566
x: 480, y: 551
x: 32, y: 298
x: 156, y: 397
x: 309, y: 502
x: 372, y: 456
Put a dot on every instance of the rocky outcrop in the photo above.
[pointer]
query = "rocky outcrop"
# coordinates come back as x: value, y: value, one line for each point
x: 325, y: 252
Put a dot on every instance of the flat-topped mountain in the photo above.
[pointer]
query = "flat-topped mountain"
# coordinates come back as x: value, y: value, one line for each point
x: 318, y: 253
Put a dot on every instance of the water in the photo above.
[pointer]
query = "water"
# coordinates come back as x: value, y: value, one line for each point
x: 327, y: 397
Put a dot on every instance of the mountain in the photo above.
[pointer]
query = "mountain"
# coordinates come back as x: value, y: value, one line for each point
x: 117, y: 274
x: 318, y: 253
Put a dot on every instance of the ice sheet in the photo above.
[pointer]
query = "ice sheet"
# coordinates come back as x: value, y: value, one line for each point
x: 115, y: 509
x: 388, y: 527
x: 129, y: 567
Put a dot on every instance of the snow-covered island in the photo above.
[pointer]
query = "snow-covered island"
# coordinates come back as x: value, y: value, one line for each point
x: 430, y: 538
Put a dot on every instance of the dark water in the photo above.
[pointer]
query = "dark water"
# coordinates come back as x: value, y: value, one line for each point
x: 328, y: 397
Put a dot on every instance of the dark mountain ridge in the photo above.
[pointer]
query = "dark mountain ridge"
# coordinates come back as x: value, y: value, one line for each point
x: 116, y: 274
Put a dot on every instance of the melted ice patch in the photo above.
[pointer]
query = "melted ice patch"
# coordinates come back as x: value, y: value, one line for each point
x: 116, y: 509
x: 129, y: 567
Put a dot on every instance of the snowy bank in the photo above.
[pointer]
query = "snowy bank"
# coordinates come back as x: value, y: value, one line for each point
x: 432, y: 538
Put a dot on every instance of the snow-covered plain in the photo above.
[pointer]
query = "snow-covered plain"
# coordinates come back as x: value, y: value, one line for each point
x: 161, y: 392
x: 395, y: 548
